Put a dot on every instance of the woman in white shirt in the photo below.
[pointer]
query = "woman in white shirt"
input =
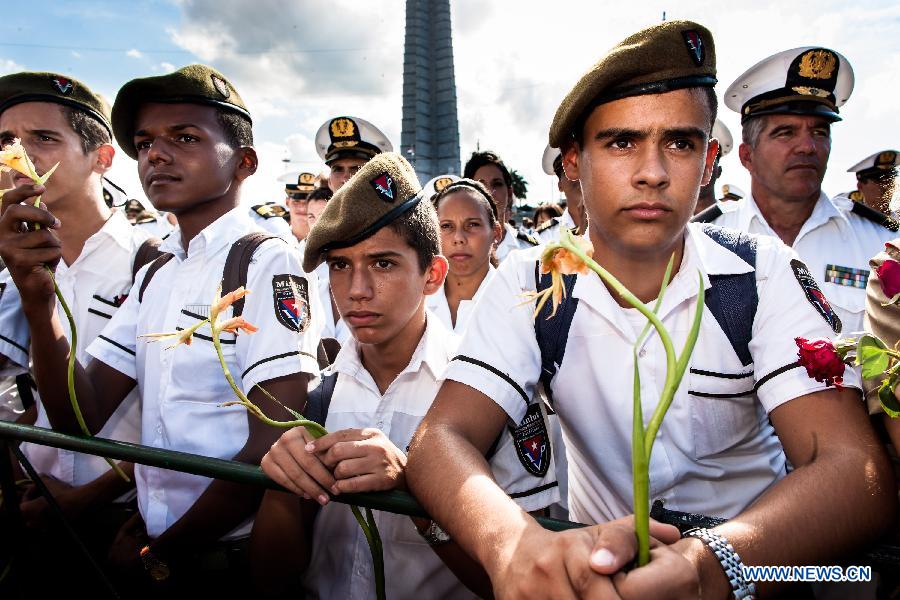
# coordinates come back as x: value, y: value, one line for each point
x: 470, y: 230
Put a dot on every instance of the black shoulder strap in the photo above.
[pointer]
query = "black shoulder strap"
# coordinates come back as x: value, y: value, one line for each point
x: 869, y: 213
x: 527, y: 237
x: 155, y: 266
x: 733, y: 299
x: 707, y: 215
x: 237, y: 264
x: 552, y: 333
x: 319, y: 400
x: 146, y: 253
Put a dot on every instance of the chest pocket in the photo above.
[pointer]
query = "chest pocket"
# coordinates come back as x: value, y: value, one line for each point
x: 104, y: 307
x: 722, y: 403
x: 199, y: 358
x: 848, y: 302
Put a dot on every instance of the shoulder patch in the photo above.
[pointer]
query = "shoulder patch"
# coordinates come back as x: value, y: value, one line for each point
x: 527, y: 237
x: 815, y: 295
x: 291, y: 296
x: 532, y: 441
x: 867, y: 212
x: 708, y: 215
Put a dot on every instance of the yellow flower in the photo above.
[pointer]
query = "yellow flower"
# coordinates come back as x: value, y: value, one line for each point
x: 558, y: 260
x: 220, y: 303
x: 185, y: 336
x: 13, y: 156
x: 236, y: 325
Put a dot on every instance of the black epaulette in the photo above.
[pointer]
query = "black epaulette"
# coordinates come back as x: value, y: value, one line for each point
x: 527, y: 237
x: 708, y: 215
x: 547, y: 224
x: 270, y: 211
x: 867, y: 212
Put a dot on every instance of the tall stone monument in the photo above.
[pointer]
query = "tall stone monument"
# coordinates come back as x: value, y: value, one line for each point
x: 430, y: 132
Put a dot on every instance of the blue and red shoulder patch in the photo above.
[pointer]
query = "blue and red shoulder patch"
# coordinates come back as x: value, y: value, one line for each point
x: 532, y: 441
x: 291, y: 296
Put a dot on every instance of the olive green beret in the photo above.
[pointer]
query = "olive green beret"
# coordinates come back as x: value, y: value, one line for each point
x: 380, y: 192
x: 670, y: 56
x: 193, y: 84
x: 29, y: 86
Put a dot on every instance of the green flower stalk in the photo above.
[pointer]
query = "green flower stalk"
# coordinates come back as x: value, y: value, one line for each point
x: 14, y: 157
x: 236, y: 325
x: 573, y: 255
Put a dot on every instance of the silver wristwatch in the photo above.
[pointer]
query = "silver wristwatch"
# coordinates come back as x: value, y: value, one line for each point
x: 730, y: 561
x: 434, y: 535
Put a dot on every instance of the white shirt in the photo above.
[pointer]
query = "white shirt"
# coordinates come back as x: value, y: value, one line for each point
x: 341, y: 564
x: 550, y: 233
x: 94, y: 286
x: 713, y: 455
x: 437, y: 304
x: 511, y: 242
x: 182, y: 388
x: 835, y: 244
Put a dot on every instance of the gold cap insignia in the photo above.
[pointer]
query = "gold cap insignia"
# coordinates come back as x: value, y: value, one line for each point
x: 886, y: 159
x: 817, y: 64
x: 441, y: 183
x: 810, y: 91
x: 306, y: 178
x: 343, y: 128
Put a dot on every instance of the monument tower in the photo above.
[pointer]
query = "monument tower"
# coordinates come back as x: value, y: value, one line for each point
x: 429, y: 138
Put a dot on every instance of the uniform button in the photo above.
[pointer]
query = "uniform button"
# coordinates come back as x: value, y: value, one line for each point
x: 380, y: 424
x: 642, y: 353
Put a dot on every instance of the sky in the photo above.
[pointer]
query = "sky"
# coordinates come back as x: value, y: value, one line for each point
x: 297, y: 64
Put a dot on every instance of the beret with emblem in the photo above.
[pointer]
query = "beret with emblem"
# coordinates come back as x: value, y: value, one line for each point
x: 803, y: 81
x: 306, y: 183
x: 878, y: 165
x: 30, y: 86
x: 193, y: 84
x: 670, y: 56
x: 379, y: 193
x: 350, y: 137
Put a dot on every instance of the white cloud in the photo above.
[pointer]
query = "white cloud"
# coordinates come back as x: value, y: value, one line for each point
x: 134, y: 53
x: 9, y: 66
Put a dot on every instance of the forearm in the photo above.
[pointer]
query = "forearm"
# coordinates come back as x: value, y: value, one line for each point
x: 453, y: 481
x: 281, y: 543
x: 469, y: 572
x: 823, y: 511
x: 50, y: 355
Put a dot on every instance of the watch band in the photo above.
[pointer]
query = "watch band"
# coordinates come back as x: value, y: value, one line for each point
x: 156, y: 567
x: 729, y: 559
x: 434, y: 535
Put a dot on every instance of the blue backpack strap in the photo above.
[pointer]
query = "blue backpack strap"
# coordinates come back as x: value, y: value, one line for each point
x: 552, y: 333
x: 319, y: 400
x: 733, y: 299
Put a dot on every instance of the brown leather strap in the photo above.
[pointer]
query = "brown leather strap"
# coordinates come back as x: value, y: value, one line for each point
x: 237, y: 264
x: 146, y: 253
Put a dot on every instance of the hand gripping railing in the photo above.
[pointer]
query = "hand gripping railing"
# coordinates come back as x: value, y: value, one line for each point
x: 883, y: 556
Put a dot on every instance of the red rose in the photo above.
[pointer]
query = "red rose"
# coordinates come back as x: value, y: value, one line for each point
x: 821, y: 360
x: 889, y: 276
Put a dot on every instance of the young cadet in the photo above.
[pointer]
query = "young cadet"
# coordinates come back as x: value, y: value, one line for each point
x: 59, y: 119
x: 788, y: 103
x: 634, y: 130
x: 379, y: 237
x: 707, y: 195
x: 490, y: 170
x: 296, y: 199
x: 573, y: 218
x: 191, y: 135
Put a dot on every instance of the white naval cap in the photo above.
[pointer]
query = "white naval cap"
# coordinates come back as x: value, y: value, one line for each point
x: 721, y: 133
x: 549, y: 161
x: 732, y: 192
x: 803, y: 81
x: 436, y: 184
x: 343, y: 137
x: 885, y: 161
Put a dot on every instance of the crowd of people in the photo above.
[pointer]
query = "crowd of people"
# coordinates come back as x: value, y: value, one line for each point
x: 396, y: 315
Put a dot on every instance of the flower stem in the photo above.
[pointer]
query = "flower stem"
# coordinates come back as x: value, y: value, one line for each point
x: 368, y: 526
x: 70, y: 374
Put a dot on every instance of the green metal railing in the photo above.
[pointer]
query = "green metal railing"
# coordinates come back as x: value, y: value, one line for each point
x: 884, y: 556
